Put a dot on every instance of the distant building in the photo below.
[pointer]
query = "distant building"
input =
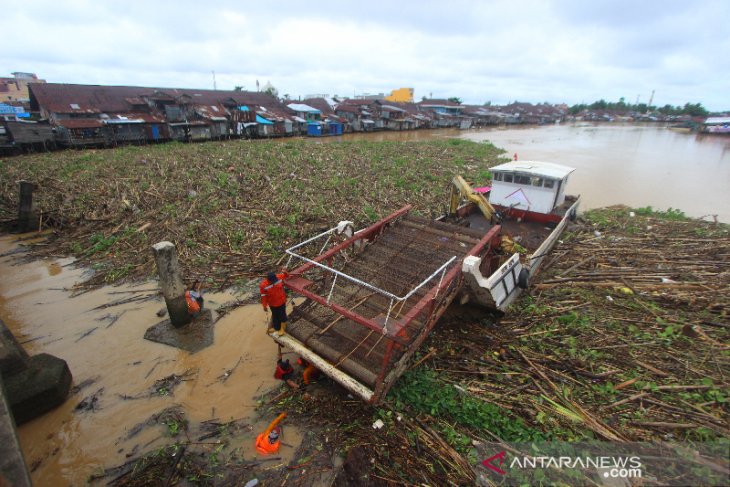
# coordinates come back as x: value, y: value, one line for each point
x: 15, y: 89
x: 306, y: 112
x: 370, y: 96
x: 403, y: 95
x: 442, y: 106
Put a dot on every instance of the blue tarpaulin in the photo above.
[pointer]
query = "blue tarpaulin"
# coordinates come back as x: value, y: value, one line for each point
x: 13, y: 110
x: 263, y: 121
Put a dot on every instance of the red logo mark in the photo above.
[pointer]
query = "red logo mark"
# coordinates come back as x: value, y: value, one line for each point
x: 488, y: 462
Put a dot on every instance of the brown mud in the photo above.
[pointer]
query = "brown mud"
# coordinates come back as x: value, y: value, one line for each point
x: 121, y: 379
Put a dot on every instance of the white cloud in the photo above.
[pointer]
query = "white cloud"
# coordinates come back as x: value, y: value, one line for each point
x: 564, y: 50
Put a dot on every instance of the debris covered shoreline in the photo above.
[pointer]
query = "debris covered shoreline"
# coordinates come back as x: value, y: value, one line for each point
x: 624, y: 336
x: 637, y: 352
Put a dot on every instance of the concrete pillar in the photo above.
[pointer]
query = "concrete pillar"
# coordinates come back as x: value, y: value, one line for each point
x: 27, y: 216
x: 171, y: 283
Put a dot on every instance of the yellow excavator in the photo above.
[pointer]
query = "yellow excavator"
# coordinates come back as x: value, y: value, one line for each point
x: 462, y: 189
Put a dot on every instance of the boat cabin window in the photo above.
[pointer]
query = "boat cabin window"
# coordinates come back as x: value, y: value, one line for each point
x: 525, y: 180
x: 520, y: 179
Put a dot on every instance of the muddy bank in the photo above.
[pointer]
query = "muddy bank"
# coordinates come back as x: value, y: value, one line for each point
x: 122, y: 380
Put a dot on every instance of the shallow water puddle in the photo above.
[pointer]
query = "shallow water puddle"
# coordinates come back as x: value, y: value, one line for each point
x: 116, y: 369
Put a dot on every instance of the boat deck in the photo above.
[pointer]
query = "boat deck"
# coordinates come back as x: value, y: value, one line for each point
x: 529, y: 234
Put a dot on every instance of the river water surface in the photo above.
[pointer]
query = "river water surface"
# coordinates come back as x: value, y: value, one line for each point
x: 630, y: 164
x: 635, y: 165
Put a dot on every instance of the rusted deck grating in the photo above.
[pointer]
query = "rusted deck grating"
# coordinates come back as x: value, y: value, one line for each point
x: 407, y: 253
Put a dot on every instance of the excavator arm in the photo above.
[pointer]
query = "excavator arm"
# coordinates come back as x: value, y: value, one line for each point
x: 463, y: 189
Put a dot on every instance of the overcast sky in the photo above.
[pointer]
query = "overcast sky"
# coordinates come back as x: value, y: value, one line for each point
x: 500, y: 51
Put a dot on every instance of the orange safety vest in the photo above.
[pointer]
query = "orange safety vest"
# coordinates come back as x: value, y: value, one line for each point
x: 265, y: 447
x: 193, y: 305
x: 273, y: 294
x: 310, y: 371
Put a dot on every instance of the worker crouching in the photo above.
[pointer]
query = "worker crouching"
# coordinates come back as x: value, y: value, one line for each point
x: 285, y: 372
x: 273, y: 295
x: 310, y: 372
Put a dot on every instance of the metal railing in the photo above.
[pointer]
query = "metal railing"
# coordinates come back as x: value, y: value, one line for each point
x: 393, y: 298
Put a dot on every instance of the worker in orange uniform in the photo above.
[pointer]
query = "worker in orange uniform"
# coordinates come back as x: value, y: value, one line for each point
x: 310, y: 371
x: 273, y: 296
x: 194, y: 298
x: 268, y: 442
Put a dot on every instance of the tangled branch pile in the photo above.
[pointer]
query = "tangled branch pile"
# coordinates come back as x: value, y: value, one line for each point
x: 624, y: 339
x: 230, y: 207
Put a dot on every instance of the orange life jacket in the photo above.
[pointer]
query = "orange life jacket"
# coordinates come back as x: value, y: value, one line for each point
x: 193, y: 305
x: 273, y: 294
x: 265, y: 447
x: 310, y: 373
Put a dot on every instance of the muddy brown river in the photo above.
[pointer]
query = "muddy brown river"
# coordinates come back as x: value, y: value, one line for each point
x: 64, y: 447
x: 635, y: 165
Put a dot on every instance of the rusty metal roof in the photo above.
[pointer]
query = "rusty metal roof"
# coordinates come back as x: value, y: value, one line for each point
x: 347, y: 108
x: 439, y: 103
x: 80, y: 123
x: 351, y: 101
x: 62, y: 98
x: 320, y: 104
x: 136, y: 118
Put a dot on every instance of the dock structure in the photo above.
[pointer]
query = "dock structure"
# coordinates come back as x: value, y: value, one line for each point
x: 372, y: 298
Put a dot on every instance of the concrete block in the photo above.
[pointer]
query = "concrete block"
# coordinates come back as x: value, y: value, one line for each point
x: 193, y: 337
x: 12, y: 356
x: 42, y: 386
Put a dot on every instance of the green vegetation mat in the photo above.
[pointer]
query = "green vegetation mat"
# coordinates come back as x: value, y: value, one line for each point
x: 230, y: 207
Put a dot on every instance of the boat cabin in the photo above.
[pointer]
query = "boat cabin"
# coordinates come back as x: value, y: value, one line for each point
x: 537, y: 187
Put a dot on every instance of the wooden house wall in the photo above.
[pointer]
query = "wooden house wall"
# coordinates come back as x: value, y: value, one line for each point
x: 29, y: 133
x: 200, y: 132
x: 127, y: 133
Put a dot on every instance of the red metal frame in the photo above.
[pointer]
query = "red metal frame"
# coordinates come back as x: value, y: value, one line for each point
x: 427, y: 304
x: 296, y: 286
x: 299, y: 284
x: 367, y: 233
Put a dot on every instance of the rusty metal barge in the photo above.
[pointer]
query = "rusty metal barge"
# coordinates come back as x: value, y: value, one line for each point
x: 373, y: 296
